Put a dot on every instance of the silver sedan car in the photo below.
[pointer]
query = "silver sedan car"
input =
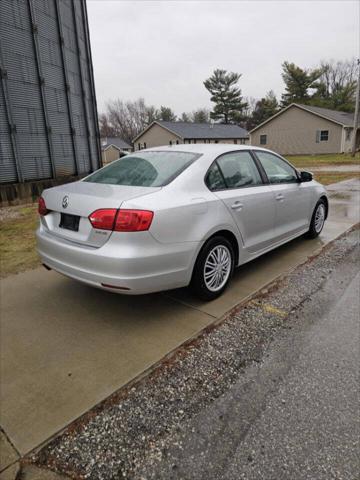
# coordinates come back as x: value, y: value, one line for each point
x: 169, y: 217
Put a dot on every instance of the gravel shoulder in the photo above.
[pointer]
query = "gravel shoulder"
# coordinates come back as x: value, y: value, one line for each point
x: 189, y: 417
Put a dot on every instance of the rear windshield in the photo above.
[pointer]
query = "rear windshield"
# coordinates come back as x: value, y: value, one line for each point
x: 144, y: 169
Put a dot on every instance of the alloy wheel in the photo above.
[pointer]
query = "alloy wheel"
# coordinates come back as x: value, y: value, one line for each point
x: 217, y: 268
x: 319, y: 218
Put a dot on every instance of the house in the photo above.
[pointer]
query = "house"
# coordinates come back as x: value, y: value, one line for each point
x: 171, y: 133
x: 304, y: 129
x: 113, y: 148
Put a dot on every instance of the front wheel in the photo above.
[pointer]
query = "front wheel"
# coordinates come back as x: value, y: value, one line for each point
x: 317, y: 220
x: 213, y: 268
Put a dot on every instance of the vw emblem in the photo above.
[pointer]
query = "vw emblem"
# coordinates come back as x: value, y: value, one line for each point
x: 65, y: 201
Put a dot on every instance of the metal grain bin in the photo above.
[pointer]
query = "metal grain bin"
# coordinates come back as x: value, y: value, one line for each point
x: 48, y: 118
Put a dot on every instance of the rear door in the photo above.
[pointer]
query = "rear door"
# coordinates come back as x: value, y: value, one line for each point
x: 236, y: 180
x: 292, y: 198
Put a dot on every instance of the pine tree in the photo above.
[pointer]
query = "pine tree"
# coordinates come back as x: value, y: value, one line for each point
x: 166, y: 114
x: 298, y: 82
x: 202, y: 115
x: 226, y: 96
x: 265, y: 108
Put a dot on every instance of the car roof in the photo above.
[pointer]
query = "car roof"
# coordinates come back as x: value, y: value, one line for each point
x: 203, y: 148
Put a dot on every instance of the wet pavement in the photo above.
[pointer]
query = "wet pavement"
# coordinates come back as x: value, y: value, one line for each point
x: 65, y: 347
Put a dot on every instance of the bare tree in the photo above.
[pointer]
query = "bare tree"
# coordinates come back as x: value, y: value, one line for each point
x: 336, y: 87
x: 106, y: 130
x: 337, y: 75
x: 127, y: 119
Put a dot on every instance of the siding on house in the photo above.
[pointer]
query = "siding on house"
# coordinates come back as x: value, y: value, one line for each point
x: 294, y: 132
x: 110, y: 154
x: 156, y: 136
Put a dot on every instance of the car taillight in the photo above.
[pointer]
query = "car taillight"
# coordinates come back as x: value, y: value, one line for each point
x: 103, y: 219
x: 121, y: 220
x: 133, y: 220
x: 42, y: 207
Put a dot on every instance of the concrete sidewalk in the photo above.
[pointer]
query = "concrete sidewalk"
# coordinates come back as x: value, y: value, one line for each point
x: 65, y: 346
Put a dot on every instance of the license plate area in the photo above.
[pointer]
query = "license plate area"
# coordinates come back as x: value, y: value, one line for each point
x: 69, y: 222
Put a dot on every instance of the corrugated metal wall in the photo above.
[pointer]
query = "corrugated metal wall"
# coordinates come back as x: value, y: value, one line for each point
x: 48, y: 119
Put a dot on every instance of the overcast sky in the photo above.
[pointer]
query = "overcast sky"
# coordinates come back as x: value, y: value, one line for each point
x: 164, y: 50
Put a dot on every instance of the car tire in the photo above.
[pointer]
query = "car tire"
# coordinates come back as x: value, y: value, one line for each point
x: 317, y: 219
x: 213, y: 268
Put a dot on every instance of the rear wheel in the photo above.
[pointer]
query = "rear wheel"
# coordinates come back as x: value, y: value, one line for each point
x: 213, y: 268
x: 317, y: 219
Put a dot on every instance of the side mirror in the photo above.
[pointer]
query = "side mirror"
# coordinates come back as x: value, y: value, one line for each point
x: 306, y: 176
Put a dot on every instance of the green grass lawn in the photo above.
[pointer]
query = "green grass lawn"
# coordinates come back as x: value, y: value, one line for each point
x: 326, y: 178
x: 17, y: 239
x: 332, y: 159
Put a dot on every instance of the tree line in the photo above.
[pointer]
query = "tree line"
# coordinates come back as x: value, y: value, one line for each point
x: 330, y: 85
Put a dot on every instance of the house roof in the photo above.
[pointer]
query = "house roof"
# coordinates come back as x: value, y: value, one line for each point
x: 191, y: 130
x: 117, y: 142
x: 342, y: 118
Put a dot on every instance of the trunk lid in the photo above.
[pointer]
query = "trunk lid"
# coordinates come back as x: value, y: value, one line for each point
x: 80, y: 199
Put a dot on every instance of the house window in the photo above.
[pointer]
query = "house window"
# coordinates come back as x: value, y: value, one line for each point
x: 235, y: 141
x: 324, y: 135
x: 263, y: 139
x: 139, y: 146
x: 170, y: 142
x: 216, y: 141
x: 144, y: 144
x: 177, y: 142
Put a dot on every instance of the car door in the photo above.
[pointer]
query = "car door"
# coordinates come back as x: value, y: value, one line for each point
x: 293, y: 198
x: 237, y: 181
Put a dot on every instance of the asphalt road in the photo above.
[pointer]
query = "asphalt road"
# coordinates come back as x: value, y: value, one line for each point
x: 308, y: 426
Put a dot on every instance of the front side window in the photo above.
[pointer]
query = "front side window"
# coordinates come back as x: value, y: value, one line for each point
x: 324, y: 135
x: 239, y: 170
x: 144, y: 169
x: 263, y: 139
x: 276, y: 169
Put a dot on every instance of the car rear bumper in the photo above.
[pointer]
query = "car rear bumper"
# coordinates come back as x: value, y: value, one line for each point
x: 129, y: 263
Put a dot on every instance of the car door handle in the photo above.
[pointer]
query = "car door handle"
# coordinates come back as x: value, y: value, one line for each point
x: 237, y: 205
x: 279, y: 197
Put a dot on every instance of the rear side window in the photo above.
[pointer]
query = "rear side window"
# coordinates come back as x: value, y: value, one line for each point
x: 276, y: 169
x: 239, y: 170
x: 144, y: 169
x: 214, y: 179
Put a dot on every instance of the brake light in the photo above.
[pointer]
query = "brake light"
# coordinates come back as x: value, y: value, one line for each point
x: 42, y: 207
x: 121, y: 220
x: 133, y: 220
x: 103, y: 219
